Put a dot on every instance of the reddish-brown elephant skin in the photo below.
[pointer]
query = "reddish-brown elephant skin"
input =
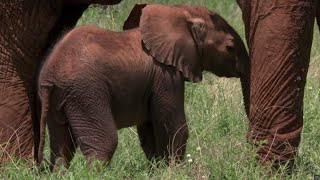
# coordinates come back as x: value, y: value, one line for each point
x: 279, y: 35
x: 27, y: 29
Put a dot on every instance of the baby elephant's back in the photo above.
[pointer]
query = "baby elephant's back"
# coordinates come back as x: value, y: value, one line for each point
x: 89, y: 49
x: 75, y: 55
x: 91, y: 52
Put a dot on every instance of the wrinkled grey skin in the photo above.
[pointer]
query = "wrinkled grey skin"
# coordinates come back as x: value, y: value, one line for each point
x: 96, y: 81
x: 27, y: 29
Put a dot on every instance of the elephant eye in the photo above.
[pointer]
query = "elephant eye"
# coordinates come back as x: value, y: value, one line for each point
x: 230, y: 48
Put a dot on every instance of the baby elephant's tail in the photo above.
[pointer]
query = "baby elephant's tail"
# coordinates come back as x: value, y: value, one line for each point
x: 44, y: 94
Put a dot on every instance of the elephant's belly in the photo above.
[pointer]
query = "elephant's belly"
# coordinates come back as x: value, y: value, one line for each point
x: 129, y: 101
x: 129, y: 117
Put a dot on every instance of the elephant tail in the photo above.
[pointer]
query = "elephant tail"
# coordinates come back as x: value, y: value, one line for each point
x: 44, y: 94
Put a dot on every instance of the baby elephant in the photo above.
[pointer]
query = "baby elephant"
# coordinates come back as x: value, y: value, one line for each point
x: 97, y: 81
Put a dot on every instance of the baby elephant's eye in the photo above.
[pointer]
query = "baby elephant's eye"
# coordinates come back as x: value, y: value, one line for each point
x: 230, y: 48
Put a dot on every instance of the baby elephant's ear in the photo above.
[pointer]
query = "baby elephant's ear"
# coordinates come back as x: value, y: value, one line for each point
x: 174, y: 38
x: 198, y: 29
x: 133, y: 19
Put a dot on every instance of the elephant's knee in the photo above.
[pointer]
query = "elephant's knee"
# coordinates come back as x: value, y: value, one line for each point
x: 102, y: 151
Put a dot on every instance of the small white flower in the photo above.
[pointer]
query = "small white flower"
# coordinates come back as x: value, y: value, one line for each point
x: 190, y: 160
x: 203, y: 177
x: 188, y: 155
x: 198, y: 148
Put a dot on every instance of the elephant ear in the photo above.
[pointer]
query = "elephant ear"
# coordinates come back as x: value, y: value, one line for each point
x: 173, y: 37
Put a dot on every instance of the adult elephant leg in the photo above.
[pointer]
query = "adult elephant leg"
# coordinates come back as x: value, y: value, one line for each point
x: 16, y: 102
x: 68, y: 18
x: 15, y: 118
x: 21, y: 42
x: 279, y: 34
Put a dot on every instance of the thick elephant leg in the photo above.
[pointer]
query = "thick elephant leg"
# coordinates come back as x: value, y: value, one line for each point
x: 147, y: 139
x: 23, y: 35
x: 26, y: 31
x: 279, y: 35
x: 16, y: 133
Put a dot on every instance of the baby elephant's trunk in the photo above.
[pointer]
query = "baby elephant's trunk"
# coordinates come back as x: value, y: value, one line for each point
x: 244, y: 68
x: 44, y: 94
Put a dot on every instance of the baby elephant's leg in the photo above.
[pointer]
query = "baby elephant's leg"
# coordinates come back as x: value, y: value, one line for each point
x: 169, y: 123
x: 171, y: 134
x: 61, y: 142
x: 93, y: 126
x: 147, y: 140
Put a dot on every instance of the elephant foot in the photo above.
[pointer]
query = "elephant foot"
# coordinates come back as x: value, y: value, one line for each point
x: 60, y: 166
x: 276, y: 150
x: 97, y: 165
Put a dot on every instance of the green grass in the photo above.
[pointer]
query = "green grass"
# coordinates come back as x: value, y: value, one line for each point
x: 217, y: 123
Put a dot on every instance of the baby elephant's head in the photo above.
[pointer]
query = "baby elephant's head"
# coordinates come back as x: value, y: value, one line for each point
x: 191, y: 38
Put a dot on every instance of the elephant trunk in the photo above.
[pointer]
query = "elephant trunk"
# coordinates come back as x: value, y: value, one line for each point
x: 245, y: 85
x: 244, y: 61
